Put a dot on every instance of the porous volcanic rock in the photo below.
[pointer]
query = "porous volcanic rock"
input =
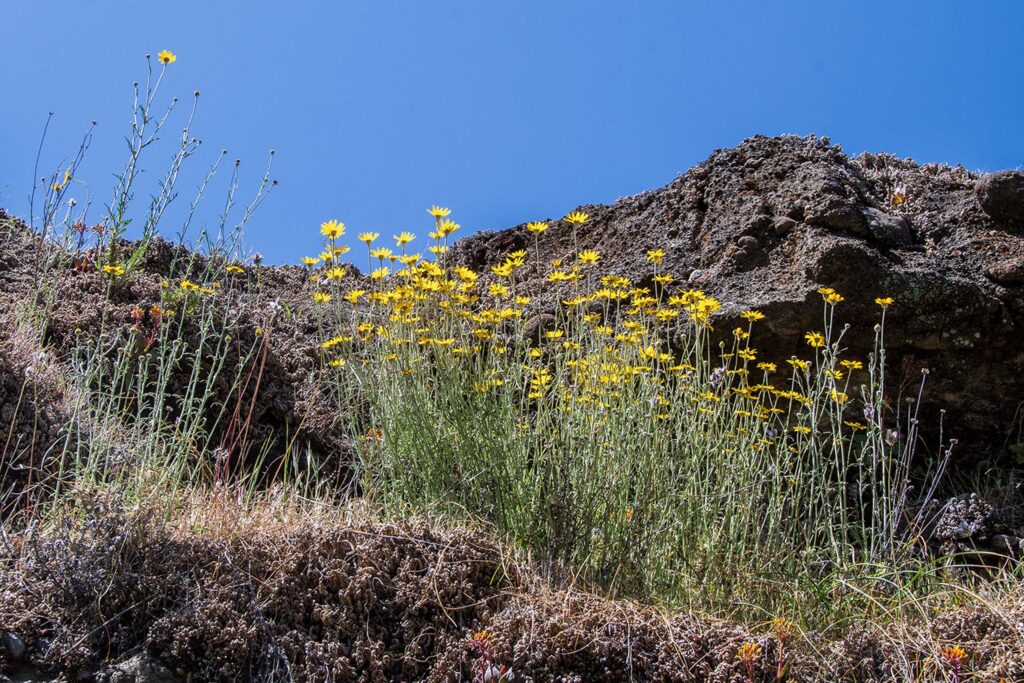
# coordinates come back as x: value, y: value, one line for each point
x: 1001, y: 196
x: 765, y: 224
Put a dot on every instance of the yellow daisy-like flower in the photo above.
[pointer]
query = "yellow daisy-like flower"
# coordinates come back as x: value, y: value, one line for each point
x: 503, y: 269
x: 439, y: 212
x: 113, y: 270
x: 747, y: 354
x: 332, y: 229
x: 537, y: 228
x: 368, y: 237
x: 884, y: 301
x: 381, y: 253
x: 830, y: 295
x: 335, y: 273
x: 380, y: 273
x: 353, y: 296
x: 309, y: 260
x: 577, y: 218
x: 321, y: 297
x: 404, y: 238
x: 235, y: 269
x: 166, y: 57
x: 589, y: 257
x: 656, y: 256
x: 447, y: 227
x: 554, y: 334
x: 337, y: 363
x: 752, y: 315
x: 815, y: 339
x: 767, y: 367
x: 852, y: 364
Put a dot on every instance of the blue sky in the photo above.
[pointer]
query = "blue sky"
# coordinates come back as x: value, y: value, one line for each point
x: 505, y: 111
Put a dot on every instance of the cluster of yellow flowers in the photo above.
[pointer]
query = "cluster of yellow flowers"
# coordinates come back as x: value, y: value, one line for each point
x: 609, y: 334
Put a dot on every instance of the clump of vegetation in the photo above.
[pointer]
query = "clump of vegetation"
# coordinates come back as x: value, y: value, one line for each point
x: 619, y: 443
x: 604, y: 431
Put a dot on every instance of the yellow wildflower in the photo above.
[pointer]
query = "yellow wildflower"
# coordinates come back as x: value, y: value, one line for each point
x: 166, y: 57
x: 830, y: 295
x: 815, y: 339
x: 656, y: 256
x: 332, y: 229
x: 447, y: 227
x: 577, y: 218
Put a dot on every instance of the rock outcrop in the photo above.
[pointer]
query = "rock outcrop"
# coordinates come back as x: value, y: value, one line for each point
x: 765, y: 224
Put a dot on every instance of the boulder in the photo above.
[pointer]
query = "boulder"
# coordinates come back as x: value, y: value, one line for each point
x: 1001, y: 196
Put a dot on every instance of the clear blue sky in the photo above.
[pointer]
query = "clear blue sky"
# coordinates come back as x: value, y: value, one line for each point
x: 505, y: 111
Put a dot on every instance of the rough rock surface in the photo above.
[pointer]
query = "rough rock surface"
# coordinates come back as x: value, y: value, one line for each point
x: 1001, y: 196
x: 765, y: 224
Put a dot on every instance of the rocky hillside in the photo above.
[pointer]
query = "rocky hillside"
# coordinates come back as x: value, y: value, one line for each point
x: 248, y: 589
x: 765, y: 224
x: 762, y: 225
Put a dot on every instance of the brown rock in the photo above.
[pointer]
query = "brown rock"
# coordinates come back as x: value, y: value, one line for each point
x: 1009, y: 272
x: 1001, y: 196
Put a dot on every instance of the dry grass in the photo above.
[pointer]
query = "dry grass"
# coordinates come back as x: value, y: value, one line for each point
x: 282, y: 590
